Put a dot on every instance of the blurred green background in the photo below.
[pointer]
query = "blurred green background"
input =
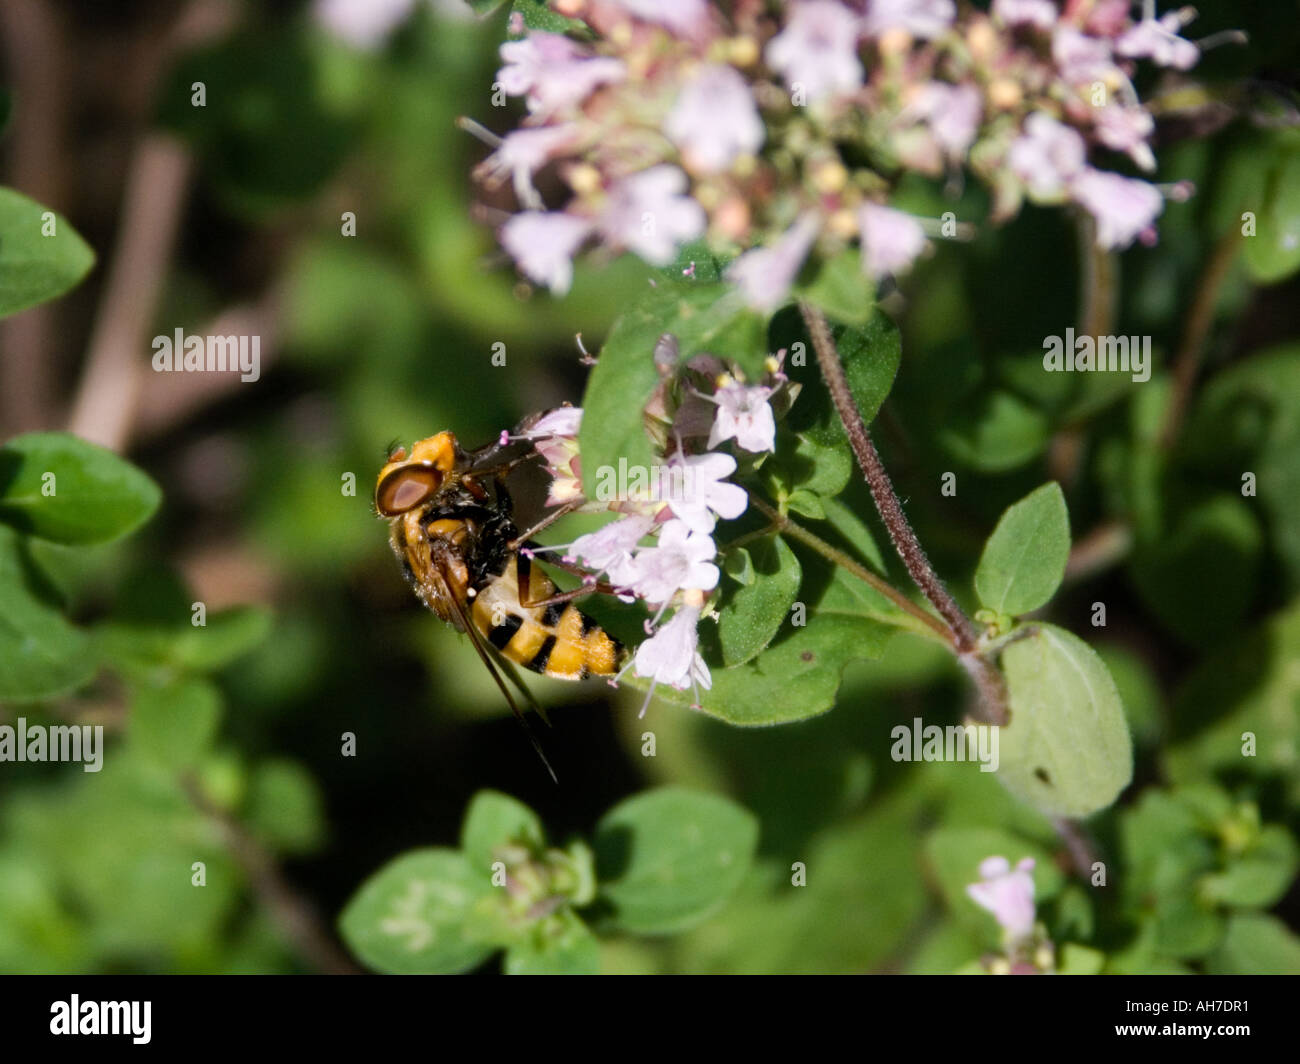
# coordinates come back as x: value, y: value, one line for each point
x: 233, y: 213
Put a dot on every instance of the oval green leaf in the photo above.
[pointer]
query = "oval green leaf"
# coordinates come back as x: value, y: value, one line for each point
x: 750, y: 619
x: 1066, y: 749
x: 412, y: 916
x: 494, y: 819
x: 41, y: 255
x: 1024, y: 559
x: 667, y: 859
x: 61, y: 488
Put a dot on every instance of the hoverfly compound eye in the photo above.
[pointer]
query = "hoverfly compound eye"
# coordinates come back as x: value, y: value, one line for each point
x: 406, y: 488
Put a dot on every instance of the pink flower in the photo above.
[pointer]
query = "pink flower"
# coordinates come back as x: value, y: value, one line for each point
x: 1126, y: 129
x: 703, y: 491
x: 1124, y: 207
x: 610, y: 549
x: 1008, y: 894
x: 525, y: 151
x: 745, y: 415
x: 921, y: 18
x: 362, y: 23
x: 543, y: 245
x: 1046, y: 156
x: 553, y: 72
x: 562, y: 421
x: 953, y: 113
x: 684, y: 17
x: 1040, y: 13
x: 818, y: 49
x: 672, y: 655
x: 764, y: 275
x: 682, y: 559
x: 648, y: 214
x: 715, y: 119
x: 1080, y: 58
x: 1159, y: 41
x: 891, y: 240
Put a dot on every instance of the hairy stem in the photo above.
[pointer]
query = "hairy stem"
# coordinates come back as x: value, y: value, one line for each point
x: 782, y: 523
x: 882, y: 489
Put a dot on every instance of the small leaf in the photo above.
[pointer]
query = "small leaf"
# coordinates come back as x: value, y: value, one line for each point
x: 667, y: 859
x: 1256, y: 944
x: 802, y: 501
x: 855, y: 531
x: 562, y: 945
x: 842, y: 290
x: 59, y: 487
x: 34, y: 267
x: 751, y: 618
x: 1024, y: 559
x: 1261, y: 877
x: 1273, y: 253
x: 738, y: 565
x: 1067, y: 749
x: 412, y: 916
x: 174, y: 723
x: 41, y: 654
x: 492, y: 820
x: 284, y: 807
x: 994, y: 432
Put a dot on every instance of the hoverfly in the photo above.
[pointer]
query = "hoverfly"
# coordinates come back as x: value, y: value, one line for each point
x: 451, y: 524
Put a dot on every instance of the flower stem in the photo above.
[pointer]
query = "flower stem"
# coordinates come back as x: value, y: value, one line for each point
x: 782, y: 523
x: 882, y: 489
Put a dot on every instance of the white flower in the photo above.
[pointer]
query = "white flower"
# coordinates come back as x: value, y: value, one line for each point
x: 920, y: 18
x: 745, y: 415
x: 543, y: 244
x: 953, y: 113
x: 1008, y: 894
x: 891, y: 240
x: 610, y: 549
x: 715, y: 119
x: 818, y: 49
x: 362, y: 23
x: 525, y: 151
x: 680, y: 560
x: 1123, y: 206
x: 672, y: 656
x: 1159, y: 40
x: 553, y: 72
x: 1080, y: 58
x: 1046, y: 156
x: 1040, y: 13
x: 648, y: 214
x: 704, y: 493
x: 764, y: 275
x: 684, y: 17
x: 1126, y: 129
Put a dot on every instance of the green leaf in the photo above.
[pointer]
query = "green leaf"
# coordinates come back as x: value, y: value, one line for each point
x: 1066, y: 749
x: 412, y: 916
x: 855, y: 531
x: 484, y: 7
x: 41, y: 654
x: 284, y: 807
x: 1260, y: 877
x: 1024, y: 559
x: 537, y: 15
x: 1079, y: 960
x: 59, y: 487
x: 871, y: 354
x: 1273, y: 253
x: 751, y: 618
x: 807, y: 504
x: 1256, y: 944
x: 842, y: 290
x: 227, y: 636
x: 174, y: 724
x: 562, y: 945
x: 624, y: 376
x: 35, y: 268
x: 667, y: 859
x: 995, y: 432
x: 493, y: 820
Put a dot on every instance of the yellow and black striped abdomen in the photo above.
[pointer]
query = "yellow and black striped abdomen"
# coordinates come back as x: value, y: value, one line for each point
x: 557, y: 640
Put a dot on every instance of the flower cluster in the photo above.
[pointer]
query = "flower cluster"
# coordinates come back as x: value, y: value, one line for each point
x: 700, y: 405
x: 776, y: 131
